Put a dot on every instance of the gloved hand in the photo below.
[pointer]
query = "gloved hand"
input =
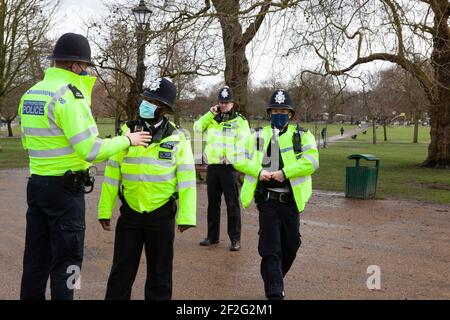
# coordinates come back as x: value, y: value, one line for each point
x: 106, y: 224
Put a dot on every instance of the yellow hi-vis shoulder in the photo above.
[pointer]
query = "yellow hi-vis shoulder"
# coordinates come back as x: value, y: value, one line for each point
x: 298, y: 167
x: 148, y: 177
x: 57, y: 126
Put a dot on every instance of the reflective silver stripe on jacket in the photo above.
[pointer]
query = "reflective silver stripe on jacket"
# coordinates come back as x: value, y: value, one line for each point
x: 187, y: 184
x: 51, y: 106
x: 46, y: 93
x: 86, y: 134
x: 50, y: 152
x: 146, y: 160
x: 250, y: 178
x: 308, y: 147
x: 111, y: 181
x: 313, y: 160
x: 149, y: 177
x: 95, y: 150
x: 186, y: 167
x: 43, y: 132
x: 297, y: 181
x: 113, y: 163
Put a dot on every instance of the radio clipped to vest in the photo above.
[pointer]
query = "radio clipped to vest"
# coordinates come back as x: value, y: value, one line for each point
x: 297, y: 139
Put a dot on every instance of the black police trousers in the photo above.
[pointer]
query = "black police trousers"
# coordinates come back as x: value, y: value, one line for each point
x: 156, y: 232
x: 54, y: 239
x: 220, y: 179
x: 279, y: 241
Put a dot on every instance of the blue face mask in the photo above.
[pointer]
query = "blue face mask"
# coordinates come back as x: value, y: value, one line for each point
x: 147, y: 110
x: 280, y: 120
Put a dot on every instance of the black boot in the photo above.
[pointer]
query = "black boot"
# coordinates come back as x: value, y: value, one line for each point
x: 208, y: 242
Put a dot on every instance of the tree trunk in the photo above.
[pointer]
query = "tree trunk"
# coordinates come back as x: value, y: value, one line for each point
x: 10, y: 132
x: 384, y: 130
x: 416, y: 130
x: 374, y: 124
x: 439, y: 148
x: 236, y: 63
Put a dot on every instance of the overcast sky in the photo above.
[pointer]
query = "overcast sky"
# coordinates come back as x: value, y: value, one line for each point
x: 73, y: 15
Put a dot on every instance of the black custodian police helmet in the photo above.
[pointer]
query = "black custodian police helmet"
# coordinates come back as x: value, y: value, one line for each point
x: 281, y: 100
x: 72, y: 47
x: 225, y: 94
x: 162, y: 90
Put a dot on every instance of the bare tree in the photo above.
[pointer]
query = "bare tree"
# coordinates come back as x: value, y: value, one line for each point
x: 174, y: 50
x: 23, y: 26
x: 23, y: 48
x: 345, y: 34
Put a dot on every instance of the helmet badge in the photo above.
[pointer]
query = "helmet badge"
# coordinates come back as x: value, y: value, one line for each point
x: 280, y: 97
x: 224, y: 93
x: 155, y: 84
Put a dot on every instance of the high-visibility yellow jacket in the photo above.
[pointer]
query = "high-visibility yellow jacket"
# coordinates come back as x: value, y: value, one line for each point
x: 298, y: 167
x: 149, y: 177
x: 222, y: 137
x: 57, y: 126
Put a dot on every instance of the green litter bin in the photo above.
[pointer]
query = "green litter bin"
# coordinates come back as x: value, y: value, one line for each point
x: 361, y: 181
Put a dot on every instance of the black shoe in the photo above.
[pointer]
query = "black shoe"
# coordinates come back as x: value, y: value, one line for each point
x: 235, y: 245
x: 208, y: 242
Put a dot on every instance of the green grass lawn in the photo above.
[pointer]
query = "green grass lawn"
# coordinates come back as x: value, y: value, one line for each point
x: 400, y: 177
x: 12, y: 154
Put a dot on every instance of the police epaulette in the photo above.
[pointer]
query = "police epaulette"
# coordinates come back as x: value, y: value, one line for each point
x: 76, y: 92
x: 241, y: 115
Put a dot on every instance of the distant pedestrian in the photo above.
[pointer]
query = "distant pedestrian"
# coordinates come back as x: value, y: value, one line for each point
x: 324, y: 133
x: 342, y: 131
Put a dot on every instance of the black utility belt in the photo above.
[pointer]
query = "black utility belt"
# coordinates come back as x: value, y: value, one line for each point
x: 283, y: 197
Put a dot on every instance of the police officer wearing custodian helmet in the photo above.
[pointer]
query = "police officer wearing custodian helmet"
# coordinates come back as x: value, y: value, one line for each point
x: 278, y: 176
x: 148, y: 181
x: 224, y: 128
x: 61, y: 137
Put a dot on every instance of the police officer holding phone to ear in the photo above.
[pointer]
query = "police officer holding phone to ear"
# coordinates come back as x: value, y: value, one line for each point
x: 148, y: 180
x: 61, y: 137
x: 224, y: 128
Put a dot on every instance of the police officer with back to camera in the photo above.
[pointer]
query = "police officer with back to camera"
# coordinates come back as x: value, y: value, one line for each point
x: 148, y: 181
x: 278, y: 176
x: 61, y: 137
x: 224, y: 128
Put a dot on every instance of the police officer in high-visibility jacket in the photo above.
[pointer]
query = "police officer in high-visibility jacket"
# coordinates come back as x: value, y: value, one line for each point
x: 278, y: 176
x: 61, y: 137
x: 224, y: 128
x: 148, y: 181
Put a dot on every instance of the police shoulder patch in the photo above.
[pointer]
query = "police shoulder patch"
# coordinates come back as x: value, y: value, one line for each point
x: 76, y: 92
x: 167, y: 145
x: 35, y: 108
x: 165, y: 155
